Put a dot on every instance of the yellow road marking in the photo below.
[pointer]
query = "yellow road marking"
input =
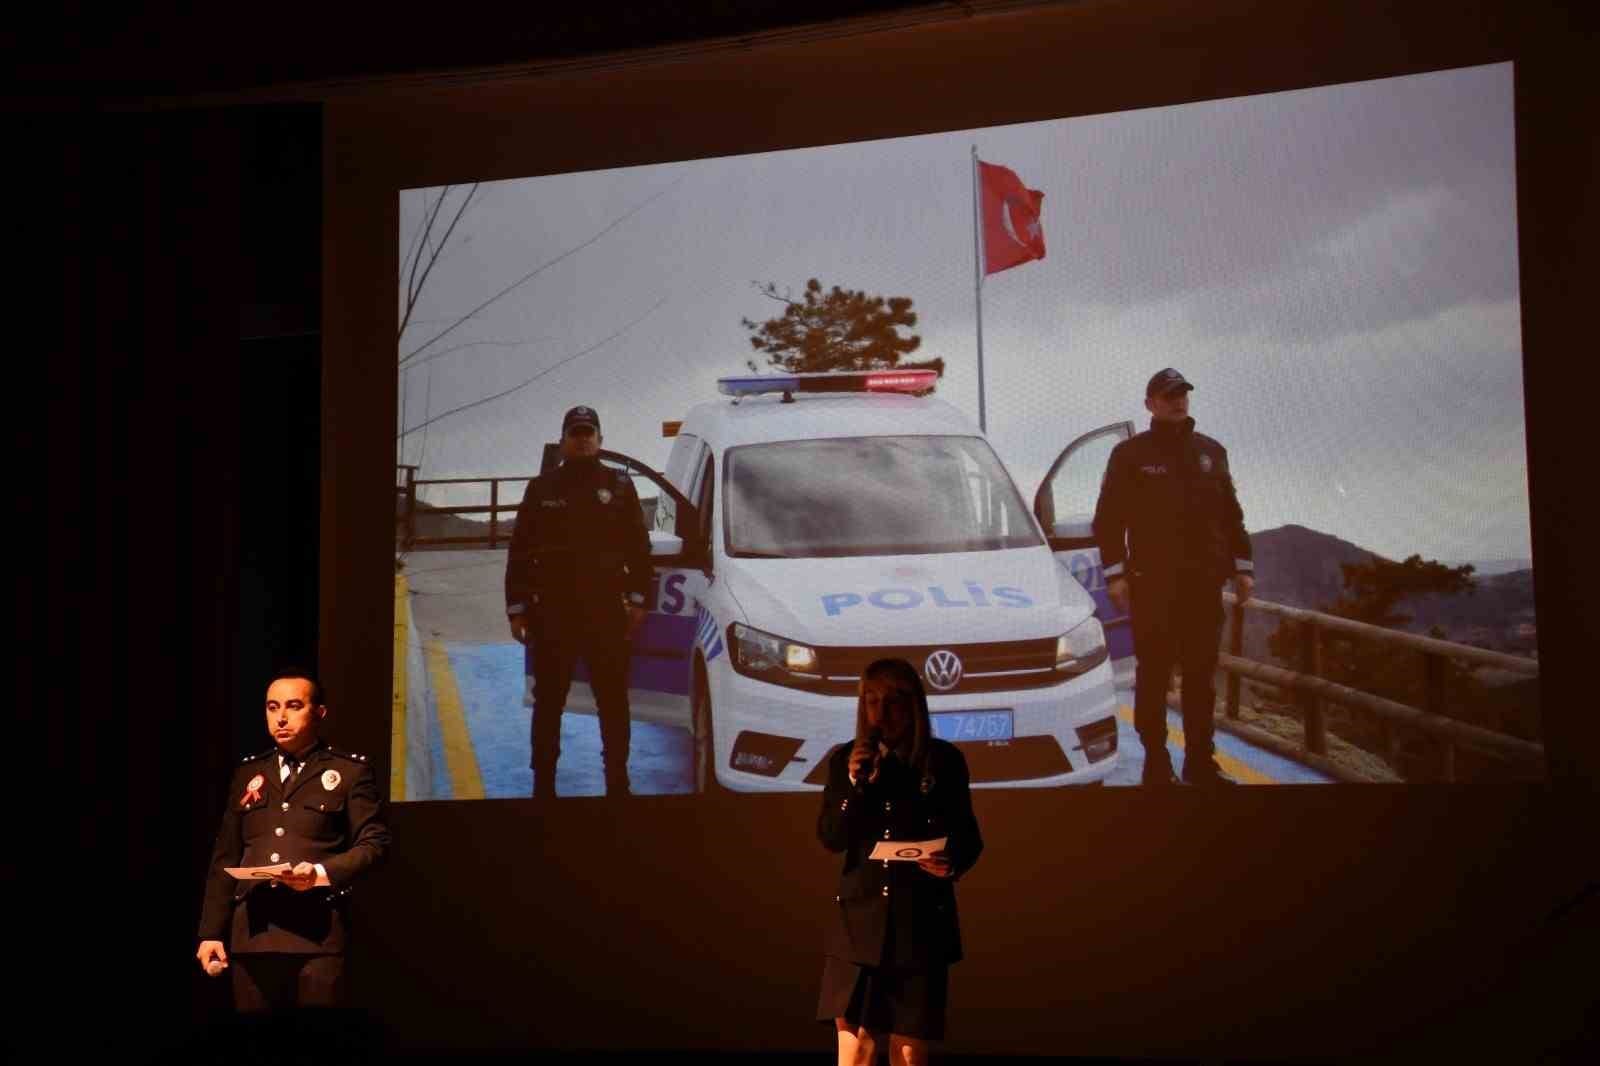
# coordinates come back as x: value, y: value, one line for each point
x: 466, y: 782
x: 397, y: 711
x: 1239, y: 771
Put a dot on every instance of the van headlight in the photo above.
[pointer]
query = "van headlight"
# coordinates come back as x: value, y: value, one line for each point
x: 769, y: 658
x: 1081, y: 648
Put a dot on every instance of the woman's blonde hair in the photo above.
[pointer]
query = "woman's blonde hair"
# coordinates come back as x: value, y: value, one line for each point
x: 902, y: 672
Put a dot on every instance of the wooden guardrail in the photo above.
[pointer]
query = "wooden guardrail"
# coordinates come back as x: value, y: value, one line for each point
x: 1312, y: 690
x: 407, y: 513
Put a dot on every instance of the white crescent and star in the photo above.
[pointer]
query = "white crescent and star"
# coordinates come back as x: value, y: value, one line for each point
x: 1009, y: 223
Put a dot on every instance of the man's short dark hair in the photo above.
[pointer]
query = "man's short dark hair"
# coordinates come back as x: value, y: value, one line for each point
x: 319, y: 695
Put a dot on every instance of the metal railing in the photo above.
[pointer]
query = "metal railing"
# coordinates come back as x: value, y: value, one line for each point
x: 407, y: 512
x: 1312, y: 691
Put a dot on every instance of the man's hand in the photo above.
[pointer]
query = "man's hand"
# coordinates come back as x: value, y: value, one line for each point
x: 213, y: 956
x: 635, y: 620
x: 1243, y: 586
x: 1117, y: 589
x: 937, y: 864
x: 858, y: 758
x: 519, y: 627
x: 301, y: 878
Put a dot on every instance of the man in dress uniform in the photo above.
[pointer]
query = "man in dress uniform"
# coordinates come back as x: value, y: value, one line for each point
x: 1170, y: 532
x: 303, y: 805
x: 577, y: 583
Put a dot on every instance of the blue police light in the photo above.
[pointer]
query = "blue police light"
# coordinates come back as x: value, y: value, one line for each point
x: 905, y: 381
x: 755, y: 385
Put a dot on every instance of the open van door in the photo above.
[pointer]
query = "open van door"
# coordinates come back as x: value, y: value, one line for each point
x: 659, y: 668
x: 1064, y: 506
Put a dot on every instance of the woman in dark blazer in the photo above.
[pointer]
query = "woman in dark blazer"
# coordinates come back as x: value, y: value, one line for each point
x: 893, y: 933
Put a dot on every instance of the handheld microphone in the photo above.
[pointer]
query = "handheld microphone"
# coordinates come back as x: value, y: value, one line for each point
x: 869, y: 766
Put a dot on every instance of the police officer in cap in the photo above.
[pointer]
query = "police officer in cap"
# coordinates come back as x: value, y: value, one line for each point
x: 312, y: 815
x: 1170, y: 532
x: 577, y: 582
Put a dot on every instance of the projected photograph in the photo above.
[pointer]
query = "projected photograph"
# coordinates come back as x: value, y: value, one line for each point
x: 1177, y: 447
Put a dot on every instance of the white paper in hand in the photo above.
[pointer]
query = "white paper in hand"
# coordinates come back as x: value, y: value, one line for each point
x: 906, y: 850
x: 257, y: 873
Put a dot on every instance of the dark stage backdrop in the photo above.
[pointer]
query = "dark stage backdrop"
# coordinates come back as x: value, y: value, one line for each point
x: 1271, y: 922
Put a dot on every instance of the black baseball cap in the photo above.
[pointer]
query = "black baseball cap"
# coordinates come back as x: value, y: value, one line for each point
x: 1165, y: 381
x: 580, y: 416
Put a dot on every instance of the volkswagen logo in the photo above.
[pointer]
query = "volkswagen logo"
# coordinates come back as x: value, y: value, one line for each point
x: 942, y: 670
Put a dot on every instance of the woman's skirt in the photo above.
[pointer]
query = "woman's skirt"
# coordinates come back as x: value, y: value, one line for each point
x: 885, y: 1000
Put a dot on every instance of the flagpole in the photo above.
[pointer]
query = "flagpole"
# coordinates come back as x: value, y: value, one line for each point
x: 977, y: 284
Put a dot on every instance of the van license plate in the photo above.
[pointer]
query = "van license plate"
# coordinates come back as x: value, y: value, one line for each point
x: 972, y: 725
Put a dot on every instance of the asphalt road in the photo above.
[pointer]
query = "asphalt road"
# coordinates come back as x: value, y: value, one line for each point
x: 467, y: 716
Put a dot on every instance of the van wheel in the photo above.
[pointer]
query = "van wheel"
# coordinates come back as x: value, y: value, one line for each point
x: 705, y: 749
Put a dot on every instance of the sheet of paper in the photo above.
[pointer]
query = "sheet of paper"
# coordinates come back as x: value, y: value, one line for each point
x: 906, y: 850
x: 257, y: 873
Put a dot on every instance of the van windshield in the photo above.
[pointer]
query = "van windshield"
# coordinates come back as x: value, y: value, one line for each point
x: 807, y: 499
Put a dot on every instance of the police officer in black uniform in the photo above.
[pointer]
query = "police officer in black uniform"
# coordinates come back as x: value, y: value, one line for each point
x: 577, y: 582
x: 1170, y: 532
x: 319, y: 811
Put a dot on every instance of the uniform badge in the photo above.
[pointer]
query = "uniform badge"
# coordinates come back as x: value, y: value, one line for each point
x: 1205, y: 463
x: 252, y: 791
x: 604, y: 494
x: 330, y: 779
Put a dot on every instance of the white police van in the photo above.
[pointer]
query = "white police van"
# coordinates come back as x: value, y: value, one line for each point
x: 811, y: 523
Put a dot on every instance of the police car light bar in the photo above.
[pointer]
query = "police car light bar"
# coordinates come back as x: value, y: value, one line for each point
x: 907, y: 381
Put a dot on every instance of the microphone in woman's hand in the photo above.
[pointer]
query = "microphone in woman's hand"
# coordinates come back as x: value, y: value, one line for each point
x: 869, y: 765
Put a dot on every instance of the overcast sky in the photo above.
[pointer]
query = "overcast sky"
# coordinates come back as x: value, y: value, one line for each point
x: 1335, y: 269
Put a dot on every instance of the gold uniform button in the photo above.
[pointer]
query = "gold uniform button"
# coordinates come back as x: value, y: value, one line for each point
x: 285, y: 804
x: 278, y: 832
x: 886, y: 834
x: 885, y: 890
x: 887, y: 806
x: 273, y: 857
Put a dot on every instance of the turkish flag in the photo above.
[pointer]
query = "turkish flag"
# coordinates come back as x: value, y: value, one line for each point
x: 1011, y: 231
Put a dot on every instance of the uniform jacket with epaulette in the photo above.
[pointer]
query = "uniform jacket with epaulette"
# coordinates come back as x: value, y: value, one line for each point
x: 330, y: 812
x: 895, y: 913
x: 1167, y: 506
x: 580, y: 544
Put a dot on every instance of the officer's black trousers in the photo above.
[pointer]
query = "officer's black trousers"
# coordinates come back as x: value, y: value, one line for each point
x: 1177, y: 619
x: 555, y: 653
x: 271, y: 982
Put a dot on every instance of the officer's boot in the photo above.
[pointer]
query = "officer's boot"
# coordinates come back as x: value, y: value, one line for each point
x: 1205, y: 773
x: 1157, y: 762
x: 1200, y: 763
